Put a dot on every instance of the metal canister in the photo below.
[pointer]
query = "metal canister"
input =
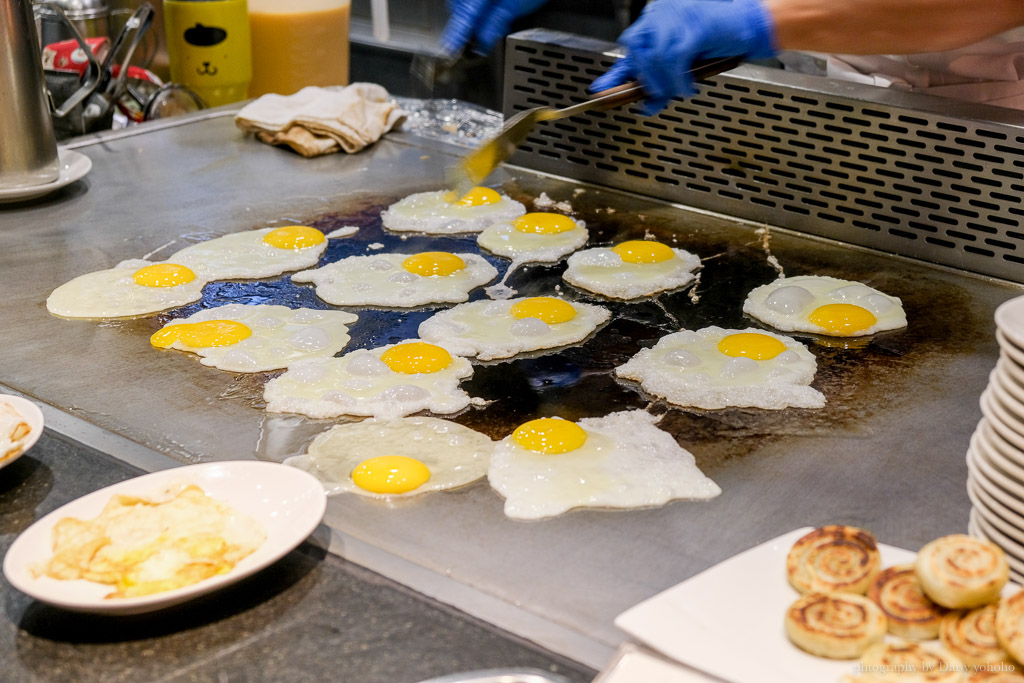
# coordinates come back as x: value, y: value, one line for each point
x: 90, y: 17
x: 28, y: 147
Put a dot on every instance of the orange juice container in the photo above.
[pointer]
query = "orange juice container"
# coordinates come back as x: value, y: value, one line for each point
x: 296, y: 43
x: 208, y: 48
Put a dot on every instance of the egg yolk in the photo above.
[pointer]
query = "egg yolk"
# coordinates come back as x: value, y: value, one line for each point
x: 545, y: 308
x: 294, y: 237
x: 549, y: 435
x: 751, y: 345
x: 163, y: 275
x: 478, y: 196
x: 544, y: 223
x: 201, y: 335
x: 416, y: 357
x: 643, y: 251
x: 390, y: 474
x: 842, y: 319
x: 431, y: 263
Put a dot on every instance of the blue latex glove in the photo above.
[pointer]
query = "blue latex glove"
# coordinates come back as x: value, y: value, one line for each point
x: 482, y: 23
x: 671, y: 35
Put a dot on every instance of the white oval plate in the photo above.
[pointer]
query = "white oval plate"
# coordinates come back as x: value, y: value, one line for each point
x: 288, y: 502
x: 30, y: 412
x: 73, y: 166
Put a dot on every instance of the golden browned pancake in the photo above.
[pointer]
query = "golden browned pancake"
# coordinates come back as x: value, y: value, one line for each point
x: 910, y: 612
x: 987, y: 675
x: 971, y: 636
x: 833, y: 559
x: 837, y: 626
x: 908, y: 662
x: 960, y: 571
x: 1010, y: 625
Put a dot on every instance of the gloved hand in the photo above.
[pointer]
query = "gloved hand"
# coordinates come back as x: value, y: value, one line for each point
x: 671, y: 34
x: 482, y: 23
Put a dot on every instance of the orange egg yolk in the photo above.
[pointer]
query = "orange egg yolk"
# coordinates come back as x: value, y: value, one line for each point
x: 544, y: 223
x: 478, y: 196
x: 842, y: 320
x: 390, y: 474
x: 751, y: 345
x: 545, y: 308
x: 430, y: 263
x: 643, y: 251
x: 416, y: 357
x: 201, y: 335
x: 163, y: 275
x: 549, y: 435
x: 294, y: 237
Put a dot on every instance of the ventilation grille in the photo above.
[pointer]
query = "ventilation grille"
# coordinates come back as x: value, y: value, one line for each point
x: 908, y: 174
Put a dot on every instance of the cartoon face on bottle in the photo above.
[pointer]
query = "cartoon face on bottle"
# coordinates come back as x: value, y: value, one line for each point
x: 209, y: 48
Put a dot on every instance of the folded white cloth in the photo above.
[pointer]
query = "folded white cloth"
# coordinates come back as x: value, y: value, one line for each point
x: 317, y: 121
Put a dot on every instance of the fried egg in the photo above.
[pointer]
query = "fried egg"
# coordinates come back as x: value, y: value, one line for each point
x: 254, y: 253
x: 549, y: 466
x: 385, y: 382
x: 241, y: 338
x: 714, y: 368
x: 534, y: 238
x: 501, y: 329
x: 132, y: 288
x: 443, y: 212
x: 399, y: 280
x: 396, y: 458
x: 145, y: 545
x: 825, y: 305
x: 631, y: 269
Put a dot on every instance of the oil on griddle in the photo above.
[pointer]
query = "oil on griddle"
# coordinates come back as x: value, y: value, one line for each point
x: 857, y: 376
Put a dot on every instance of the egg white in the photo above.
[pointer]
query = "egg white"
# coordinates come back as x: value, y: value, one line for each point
x: 785, y: 303
x: 687, y: 369
x: 430, y: 212
x: 280, y: 336
x: 244, y: 255
x: 503, y: 239
x: 112, y: 293
x: 455, y: 455
x: 360, y: 384
x: 602, y: 271
x: 488, y: 331
x: 626, y: 462
x: 380, y: 280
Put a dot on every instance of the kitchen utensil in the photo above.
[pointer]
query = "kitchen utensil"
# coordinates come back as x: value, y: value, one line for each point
x: 90, y: 17
x: 28, y: 144
x: 480, y: 163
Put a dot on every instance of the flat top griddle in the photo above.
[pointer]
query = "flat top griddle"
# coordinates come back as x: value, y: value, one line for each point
x: 886, y: 453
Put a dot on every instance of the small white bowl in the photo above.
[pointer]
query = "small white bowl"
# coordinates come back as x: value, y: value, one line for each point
x: 1007, y: 400
x: 288, y: 502
x: 994, y: 442
x: 1011, y: 349
x: 29, y: 412
x: 1010, y: 319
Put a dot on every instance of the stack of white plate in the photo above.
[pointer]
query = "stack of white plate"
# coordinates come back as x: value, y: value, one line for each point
x: 995, y: 459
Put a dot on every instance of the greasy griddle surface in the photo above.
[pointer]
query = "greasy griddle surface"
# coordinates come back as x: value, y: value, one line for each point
x: 855, y: 375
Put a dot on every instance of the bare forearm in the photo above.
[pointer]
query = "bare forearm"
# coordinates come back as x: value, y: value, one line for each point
x: 889, y: 26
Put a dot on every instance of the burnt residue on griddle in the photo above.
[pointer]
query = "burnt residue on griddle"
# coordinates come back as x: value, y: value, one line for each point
x: 858, y: 377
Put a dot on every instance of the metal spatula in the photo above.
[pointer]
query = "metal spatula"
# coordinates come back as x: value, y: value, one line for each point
x: 479, y: 164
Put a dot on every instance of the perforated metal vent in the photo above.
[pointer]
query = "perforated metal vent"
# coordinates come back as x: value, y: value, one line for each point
x: 908, y: 174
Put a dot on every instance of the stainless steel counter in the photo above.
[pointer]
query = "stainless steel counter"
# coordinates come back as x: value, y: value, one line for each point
x: 887, y: 453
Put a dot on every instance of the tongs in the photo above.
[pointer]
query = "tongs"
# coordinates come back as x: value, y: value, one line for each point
x: 479, y: 164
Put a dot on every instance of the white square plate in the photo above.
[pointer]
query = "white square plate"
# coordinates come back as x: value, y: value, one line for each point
x: 728, y: 620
